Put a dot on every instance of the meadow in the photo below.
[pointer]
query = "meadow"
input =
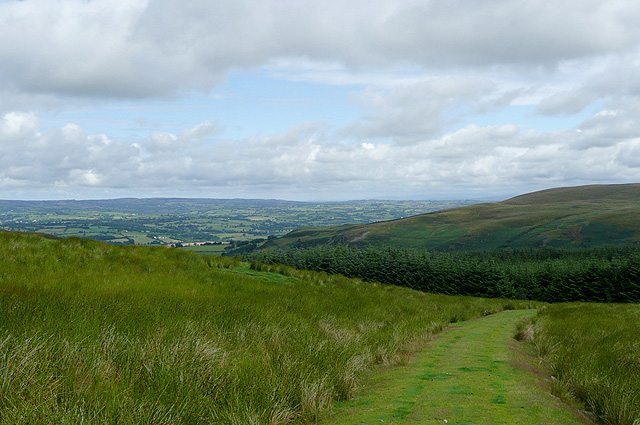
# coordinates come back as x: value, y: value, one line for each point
x: 593, y: 354
x: 94, y: 333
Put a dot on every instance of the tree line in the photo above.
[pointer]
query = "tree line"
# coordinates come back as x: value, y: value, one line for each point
x: 609, y: 274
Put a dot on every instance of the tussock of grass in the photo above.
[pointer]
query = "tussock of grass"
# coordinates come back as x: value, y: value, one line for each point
x: 594, y: 354
x: 91, y: 333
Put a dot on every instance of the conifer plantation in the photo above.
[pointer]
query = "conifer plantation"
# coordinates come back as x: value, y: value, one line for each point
x: 607, y: 274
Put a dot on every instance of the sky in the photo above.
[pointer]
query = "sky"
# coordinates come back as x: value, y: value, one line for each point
x: 316, y: 100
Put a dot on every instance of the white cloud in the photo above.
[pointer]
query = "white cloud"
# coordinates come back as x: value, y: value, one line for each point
x: 72, y: 47
x: 413, y: 113
x: 138, y: 48
x: 18, y: 125
x: 201, y: 131
x: 611, y: 80
x: 62, y: 156
x: 312, y: 161
x: 566, y: 103
x: 421, y: 72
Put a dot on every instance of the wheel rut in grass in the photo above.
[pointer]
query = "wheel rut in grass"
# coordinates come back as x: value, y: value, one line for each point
x: 465, y: 376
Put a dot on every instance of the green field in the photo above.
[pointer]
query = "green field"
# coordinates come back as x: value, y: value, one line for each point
x: 577, y: 217
x: 167, y: 221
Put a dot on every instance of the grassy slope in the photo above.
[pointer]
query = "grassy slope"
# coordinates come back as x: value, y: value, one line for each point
x: 94, y: 333
x: 594, y: 353
x: 582, y: 216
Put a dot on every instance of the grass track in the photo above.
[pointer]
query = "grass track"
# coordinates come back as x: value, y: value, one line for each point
x: 466, y: 376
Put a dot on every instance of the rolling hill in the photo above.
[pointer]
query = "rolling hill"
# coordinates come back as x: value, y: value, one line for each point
x: 569, y: 217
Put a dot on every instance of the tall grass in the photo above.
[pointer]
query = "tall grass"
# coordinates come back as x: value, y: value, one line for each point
x: 594, y: 353
x: 91, y: 333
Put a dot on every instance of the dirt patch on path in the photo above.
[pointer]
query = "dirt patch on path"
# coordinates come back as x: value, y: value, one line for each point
x: 360, y: 237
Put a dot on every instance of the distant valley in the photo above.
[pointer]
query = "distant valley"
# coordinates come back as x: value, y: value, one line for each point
x: 572, y: 217
x: 164, y: 221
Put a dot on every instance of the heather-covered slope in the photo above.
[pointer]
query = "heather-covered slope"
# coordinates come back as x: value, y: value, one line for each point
x: 584, y: 216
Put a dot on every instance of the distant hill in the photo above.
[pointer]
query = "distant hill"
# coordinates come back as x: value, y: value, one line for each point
x: 583, y: 216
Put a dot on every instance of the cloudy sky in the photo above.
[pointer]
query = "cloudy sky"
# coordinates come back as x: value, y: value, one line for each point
x: 316, y: 100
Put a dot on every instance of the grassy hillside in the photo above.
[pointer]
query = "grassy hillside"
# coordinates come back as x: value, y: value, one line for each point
x: 93, y: 333
x: 585, y: 216
x: 593, y: 351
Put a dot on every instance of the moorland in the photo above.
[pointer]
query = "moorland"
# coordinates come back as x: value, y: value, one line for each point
x: 570, y: 217
x: 97, y: 333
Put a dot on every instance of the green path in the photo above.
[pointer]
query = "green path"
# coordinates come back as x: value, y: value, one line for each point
x: 465, y: 376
